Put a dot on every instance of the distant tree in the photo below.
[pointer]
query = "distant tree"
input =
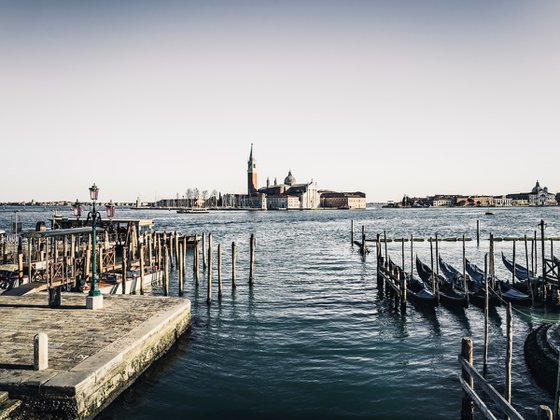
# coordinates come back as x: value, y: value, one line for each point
x: 205, y: 196
x: 189, y: 197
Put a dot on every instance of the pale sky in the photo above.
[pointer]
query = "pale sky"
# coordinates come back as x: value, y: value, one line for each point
x: 386, y: 97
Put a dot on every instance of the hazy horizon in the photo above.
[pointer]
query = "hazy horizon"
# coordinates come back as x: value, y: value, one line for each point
x: 386, y: 97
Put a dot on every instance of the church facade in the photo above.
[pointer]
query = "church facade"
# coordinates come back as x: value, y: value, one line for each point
x: 288, y: 195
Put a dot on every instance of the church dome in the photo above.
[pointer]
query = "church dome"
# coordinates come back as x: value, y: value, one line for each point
x: 536, y: 188
x: 290, y: 180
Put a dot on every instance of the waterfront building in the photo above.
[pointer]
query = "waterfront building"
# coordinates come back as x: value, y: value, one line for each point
x: 343, y: 200
x: 503, y: 201
x: 538, y: 196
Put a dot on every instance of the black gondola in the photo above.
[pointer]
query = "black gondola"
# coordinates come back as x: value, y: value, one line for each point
x: 416, y: 290
x: 504, y: 289
x: 446, y: 290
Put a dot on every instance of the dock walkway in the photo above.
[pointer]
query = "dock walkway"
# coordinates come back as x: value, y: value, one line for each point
x: 92, y: 355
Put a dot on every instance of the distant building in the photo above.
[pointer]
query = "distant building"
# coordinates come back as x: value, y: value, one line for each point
x: 503, y: 201
x: 537, y: 197
x: 343, y: 200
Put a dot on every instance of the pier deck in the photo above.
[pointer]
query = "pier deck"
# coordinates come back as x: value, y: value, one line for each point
x: 93, y: 355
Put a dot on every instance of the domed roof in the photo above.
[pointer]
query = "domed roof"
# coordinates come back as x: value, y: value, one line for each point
x: 290, y: 180
x: 536, y: 188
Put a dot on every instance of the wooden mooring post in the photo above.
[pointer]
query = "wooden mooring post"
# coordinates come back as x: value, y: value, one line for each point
x: 196, y: 264
x: 233, y: 258
x: 204, y: 252
x: 509, y: 352
x: 465, y: 284
x: 467, y: 406
x: 142, y: 268
x: 478, y: 233
x: 363, y: 245
x: 543, y: 264
x: 180, y: 259
x: 486, y: 310
x: 209, y: 270
x: 252, y: 261
x: 219, y: 270
x: 165, y: 270
x: 124, y: 268
x: 352, y: 232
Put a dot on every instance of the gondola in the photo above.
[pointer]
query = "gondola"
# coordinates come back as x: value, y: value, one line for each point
x: 521, y: 273
x: 477, y: 294
x: 416, y: 290
x: 447, y: 293
x: 503, y: 289
x: 524, y: 275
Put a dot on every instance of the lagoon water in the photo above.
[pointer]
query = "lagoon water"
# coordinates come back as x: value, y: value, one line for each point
x: 315, y: 337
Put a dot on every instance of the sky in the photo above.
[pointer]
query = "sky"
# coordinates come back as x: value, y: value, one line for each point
x: 149, y: 98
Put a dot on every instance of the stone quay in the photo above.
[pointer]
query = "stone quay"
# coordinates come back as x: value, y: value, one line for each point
x: 87, y: 357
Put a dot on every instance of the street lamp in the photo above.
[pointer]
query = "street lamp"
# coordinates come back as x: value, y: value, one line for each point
x: 94, y: 300
x: 77, y: 209
x: 110, y: 208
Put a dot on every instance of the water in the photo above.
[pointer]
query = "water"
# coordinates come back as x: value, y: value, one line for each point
x: 315, y: 338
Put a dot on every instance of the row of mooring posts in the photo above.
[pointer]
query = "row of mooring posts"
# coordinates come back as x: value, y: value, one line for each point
x: 208, y: 265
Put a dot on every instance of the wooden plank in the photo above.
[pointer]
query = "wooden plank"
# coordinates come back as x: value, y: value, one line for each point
x: 476, y: 399
x: 490, y: 391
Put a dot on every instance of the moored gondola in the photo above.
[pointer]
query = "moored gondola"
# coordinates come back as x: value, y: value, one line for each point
x: 502, y: 289
x: 445, y: 289
x: 416, y: 290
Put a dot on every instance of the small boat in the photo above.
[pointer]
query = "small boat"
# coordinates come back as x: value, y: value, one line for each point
x: 489, y: 213
x: 446, y: 290
x: 193, y: 210
x: 521, y: 273
x: 502, y: 288
x: 416, y: 290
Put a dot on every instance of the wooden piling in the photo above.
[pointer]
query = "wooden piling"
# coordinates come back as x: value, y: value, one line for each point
x: 509, y: 351
x: 219, y: 271
x: 465, y: 284
x: 402, y: 254
x: 411, y: 255
x: 513, y: 271
x: 432, y: 267
x: 486, y: 310
x: 233, y: 258
x: 478, y: 233
x: 352, y: 232
x: 491, y: 266
x: 467, y: 409
x: 437, y: 256
x: 252, y: 261
x: 177, y: 253
x: 20, y: 267
x: 196, y: 264
x: 541, y: 224
x: 209, y: 270
x: 142, y: 268
x: 124, y: 268
x: 363, y: 246
x: 386, y: 261
x: 166, y: 270
x: 204, y: 252
x: 180, y: 252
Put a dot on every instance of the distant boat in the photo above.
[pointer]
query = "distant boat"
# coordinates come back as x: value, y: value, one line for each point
x: 193, y: 210
x: 489, y: 213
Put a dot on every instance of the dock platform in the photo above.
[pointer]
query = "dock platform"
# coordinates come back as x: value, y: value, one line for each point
x: 92, y: 355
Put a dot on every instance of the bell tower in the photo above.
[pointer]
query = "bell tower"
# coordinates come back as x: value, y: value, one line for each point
x: 251, y: 174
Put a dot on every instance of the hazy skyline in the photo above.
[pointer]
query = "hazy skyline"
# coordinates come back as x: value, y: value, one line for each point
x: 385, y: 97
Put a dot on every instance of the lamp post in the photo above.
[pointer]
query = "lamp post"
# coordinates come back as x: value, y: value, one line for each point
x: 77, y: 209
x: 94, y: 300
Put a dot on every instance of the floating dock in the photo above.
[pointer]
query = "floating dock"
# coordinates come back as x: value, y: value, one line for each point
x: 92, y: 355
